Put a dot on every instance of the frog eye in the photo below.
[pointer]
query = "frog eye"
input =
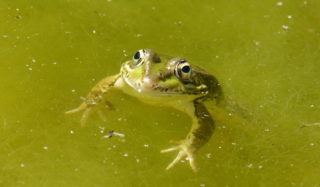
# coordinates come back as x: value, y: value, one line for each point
x: 138, y: 58
x: 183, y: 70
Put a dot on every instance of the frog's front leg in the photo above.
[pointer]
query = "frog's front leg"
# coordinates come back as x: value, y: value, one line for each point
x: 96, y: 97
x: 200, y: 133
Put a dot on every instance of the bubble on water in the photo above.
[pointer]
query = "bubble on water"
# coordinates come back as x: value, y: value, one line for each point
x: 146, y: 145
x: 266, y: 130
x: 30, y: 69
x: 125, y: 154
x: 233, y: 143
x: 286, y: 27
x: 94, y: 32
x: 138, y: 35
x: 73, y: 90
x: 138, y: 160
x: 260, y: 167
x: 55, y: 63
x: 5, y: 36
x: 17, y: 9
x: 202, y: 185
x: 311, y: 144
x: 71, y: 131
x: 22, y: 165
x: 209, y: 155
x: 45, y: 147
x: 289, y: 16
x: 257, y: 43
x: 250, y: 165
x: 279, y: 3
x: 311, y: 106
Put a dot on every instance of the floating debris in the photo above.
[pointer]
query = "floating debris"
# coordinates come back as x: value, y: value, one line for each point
x: 111, y: 133
x: 311, y: 125
x: 209, y: 155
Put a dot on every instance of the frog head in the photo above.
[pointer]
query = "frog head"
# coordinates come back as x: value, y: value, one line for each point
x: 158, y: 75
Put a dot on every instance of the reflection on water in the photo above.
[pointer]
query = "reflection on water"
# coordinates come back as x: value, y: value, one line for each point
x: 265, y: 54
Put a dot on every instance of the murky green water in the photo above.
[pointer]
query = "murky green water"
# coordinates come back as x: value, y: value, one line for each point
x: 265, y: 54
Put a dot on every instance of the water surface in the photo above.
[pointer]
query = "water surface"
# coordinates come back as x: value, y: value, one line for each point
x: 265, y: 54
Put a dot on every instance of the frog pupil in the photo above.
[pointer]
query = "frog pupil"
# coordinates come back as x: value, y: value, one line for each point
x: 137, y: 55
x: 185, y: 69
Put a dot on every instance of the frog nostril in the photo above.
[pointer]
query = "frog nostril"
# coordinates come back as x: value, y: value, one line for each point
x: 156, y: 59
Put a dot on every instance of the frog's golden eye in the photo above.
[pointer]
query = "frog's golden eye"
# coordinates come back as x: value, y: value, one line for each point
x: 138, y: 58
x: 183, y: 70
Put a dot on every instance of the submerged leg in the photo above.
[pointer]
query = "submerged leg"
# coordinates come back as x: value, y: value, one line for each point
x: 200, y: 133
x: 96, y: 97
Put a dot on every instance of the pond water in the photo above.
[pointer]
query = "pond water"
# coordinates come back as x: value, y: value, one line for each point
x: 265, y: 54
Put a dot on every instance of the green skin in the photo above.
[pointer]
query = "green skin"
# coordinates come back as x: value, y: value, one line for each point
x: 163, y: 81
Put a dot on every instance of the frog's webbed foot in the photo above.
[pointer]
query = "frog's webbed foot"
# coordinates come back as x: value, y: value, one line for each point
x: 87, y: 110
x: 185, y: 151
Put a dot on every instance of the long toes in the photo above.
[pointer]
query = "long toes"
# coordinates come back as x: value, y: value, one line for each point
x: 170, y: 149
x: 102, y: 116
x: 192, y: 162
x: 85, y: 116
x: 82, y: 107
x: 180, y: 156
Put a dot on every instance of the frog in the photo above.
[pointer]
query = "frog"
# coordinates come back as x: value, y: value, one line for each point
x: 163, y: 81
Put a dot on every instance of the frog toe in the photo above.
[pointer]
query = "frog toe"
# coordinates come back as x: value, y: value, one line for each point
x: 184, y: 152
x: 82, y: 107
x: 85, y: 116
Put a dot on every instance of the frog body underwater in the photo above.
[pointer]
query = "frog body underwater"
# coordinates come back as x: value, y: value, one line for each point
x: 163, y: 81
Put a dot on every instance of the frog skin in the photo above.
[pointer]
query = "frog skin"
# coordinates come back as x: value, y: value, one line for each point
x: 167, y: 82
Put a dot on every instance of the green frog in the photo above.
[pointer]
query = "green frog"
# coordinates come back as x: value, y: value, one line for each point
x: 167, y: 82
